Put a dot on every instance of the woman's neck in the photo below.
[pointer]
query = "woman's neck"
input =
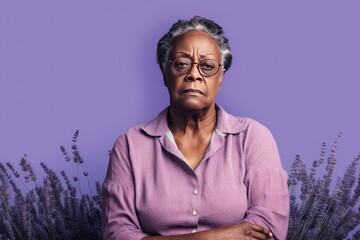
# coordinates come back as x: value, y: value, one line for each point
x: 192, y: 122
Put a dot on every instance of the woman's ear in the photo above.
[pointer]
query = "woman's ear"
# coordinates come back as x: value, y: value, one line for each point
x: 221, y: 78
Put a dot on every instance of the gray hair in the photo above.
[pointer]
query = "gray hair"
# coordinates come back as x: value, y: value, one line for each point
x: 196, y: 23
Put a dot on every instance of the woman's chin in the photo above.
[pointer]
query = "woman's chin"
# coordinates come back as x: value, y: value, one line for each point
x: 193, y: 105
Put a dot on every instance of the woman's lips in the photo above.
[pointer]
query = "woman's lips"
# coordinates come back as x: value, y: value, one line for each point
x: 191, y: 91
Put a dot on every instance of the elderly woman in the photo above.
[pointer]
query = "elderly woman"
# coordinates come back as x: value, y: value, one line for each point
x: 195, y: 171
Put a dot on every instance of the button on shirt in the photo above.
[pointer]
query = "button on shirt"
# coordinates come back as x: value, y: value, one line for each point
x: 150, y: 189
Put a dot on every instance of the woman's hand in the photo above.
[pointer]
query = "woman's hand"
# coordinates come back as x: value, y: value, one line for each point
x: 242, y: 231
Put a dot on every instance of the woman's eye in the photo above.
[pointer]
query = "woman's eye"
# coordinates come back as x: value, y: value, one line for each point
x: 207, y: 66
x: 181, y: 64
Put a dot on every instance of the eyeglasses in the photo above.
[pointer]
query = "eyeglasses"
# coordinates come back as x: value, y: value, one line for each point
x: 206, y: 67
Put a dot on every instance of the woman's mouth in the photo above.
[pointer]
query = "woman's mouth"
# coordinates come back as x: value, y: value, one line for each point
x: 191, y: 91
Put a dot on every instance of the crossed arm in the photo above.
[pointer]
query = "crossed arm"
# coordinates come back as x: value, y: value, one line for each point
x: 240, y: 231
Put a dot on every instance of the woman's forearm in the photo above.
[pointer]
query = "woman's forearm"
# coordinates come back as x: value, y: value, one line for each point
x: 242, y: 230
x: 204, y: 235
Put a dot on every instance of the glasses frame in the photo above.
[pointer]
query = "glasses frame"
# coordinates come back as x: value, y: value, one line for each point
x: 198, y: 66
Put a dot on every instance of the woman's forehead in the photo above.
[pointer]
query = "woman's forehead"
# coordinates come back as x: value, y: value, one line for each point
x: 195, y: 42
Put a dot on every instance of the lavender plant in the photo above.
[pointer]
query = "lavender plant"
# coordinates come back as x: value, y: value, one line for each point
x: 319, y: 212
x: 54, y: 208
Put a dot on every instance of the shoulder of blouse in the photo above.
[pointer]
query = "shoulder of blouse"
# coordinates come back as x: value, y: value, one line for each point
x: 251, y: 130
x: 226, y: 124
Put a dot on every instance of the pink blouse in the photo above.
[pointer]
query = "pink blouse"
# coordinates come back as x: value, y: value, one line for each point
x: 150, y: 189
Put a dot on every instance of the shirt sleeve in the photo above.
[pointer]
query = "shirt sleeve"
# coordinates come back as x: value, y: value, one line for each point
x: 266, y: 181
x: 119, y: 217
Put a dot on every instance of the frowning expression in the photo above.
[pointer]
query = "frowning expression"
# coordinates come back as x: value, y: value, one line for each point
x: 192, y: 90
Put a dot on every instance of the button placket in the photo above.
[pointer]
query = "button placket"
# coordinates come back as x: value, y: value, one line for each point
x: 195, y: 210
x: 195, y: 192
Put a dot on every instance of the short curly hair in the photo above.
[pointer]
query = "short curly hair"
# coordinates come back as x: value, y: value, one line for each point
x: 196, y: 23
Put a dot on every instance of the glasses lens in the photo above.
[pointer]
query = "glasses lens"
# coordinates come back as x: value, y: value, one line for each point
x: 208, y: 67
x: 181, y: 65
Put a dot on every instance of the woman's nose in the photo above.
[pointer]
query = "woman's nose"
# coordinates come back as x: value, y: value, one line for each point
x: 194, y: 73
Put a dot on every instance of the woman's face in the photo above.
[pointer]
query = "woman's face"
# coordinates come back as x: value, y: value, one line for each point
x: 192, y: 91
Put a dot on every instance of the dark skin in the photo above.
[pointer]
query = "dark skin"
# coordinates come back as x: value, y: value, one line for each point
x: 192, y: 120
x: 192, y: 97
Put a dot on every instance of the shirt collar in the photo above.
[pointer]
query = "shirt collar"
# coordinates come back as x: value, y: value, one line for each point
x: 226, y: 123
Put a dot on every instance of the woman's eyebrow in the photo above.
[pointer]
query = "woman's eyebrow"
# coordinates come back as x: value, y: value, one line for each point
x: 206, y: 54
x: 184, y: 54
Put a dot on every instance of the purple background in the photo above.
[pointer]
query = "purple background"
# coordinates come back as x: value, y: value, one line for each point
x: 67, y: 65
